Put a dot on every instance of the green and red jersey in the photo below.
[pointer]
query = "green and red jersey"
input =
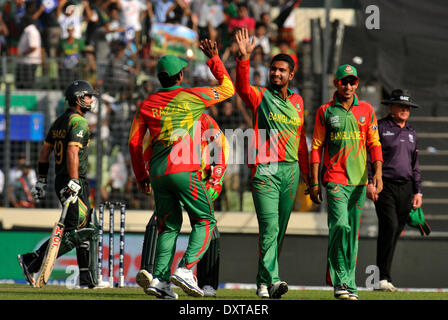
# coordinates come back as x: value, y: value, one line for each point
x: 278, y: 123
x: 346, y: 136
x: 171, y: 115
x: 70, y: 128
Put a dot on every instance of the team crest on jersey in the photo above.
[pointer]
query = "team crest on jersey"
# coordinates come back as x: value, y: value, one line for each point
x: 298, y: 106
x: 334, y: 122
x: 362, y: 119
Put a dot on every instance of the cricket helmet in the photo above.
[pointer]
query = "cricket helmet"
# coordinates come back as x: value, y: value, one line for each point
x: 79, y: 88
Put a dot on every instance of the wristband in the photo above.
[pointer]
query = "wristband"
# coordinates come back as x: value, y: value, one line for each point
x: 314, y: 185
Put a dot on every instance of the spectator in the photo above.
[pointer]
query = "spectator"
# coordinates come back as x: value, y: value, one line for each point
x: 271, y: 28
x: 29, y: 53
x: 257, y: 8
x: 97, y: 28
x: 118, y: 177
x: 51, y: 31
x: 258, y: 66
x: 89, y: 64
x: 114, y: 28
x: 284, y: 47
x: 160, y: 8
x: 207, y: 14
x: 261, y: 38
x: 3, y: 34
x: 70, y: 50
x: 20, y: 191
x: 13, y: 12
x: 120, y: 75
x: 242, y: 20
x: 131, y: 14
x: 69, y: 13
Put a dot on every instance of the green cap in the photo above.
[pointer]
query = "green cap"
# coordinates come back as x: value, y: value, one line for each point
x: 346, y: 70
x: 171, y: 64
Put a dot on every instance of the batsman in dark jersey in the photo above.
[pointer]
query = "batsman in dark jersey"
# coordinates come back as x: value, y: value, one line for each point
x: 68, y: 139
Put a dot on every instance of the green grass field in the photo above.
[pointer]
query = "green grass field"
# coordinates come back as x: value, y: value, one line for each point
x: 25, y: 292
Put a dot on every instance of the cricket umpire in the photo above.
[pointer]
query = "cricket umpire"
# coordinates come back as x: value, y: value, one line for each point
x: 402, y: 190
x: 68, y: 138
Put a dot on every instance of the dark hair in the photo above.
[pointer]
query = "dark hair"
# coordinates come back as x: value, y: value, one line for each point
x: 166, y: 81
x: 284, y: 57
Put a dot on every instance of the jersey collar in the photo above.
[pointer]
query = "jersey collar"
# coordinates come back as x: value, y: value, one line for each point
x: 276, y: 92
x: 170, y: 88
x: 338, y: 103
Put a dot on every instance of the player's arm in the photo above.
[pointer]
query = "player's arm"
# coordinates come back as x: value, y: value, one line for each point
x: 136, y: 137
x: 376, y: 154
x: 417, y: 201
x: 251, y: 95
x: 304, y: 163
x: 317, y: 145
x: 39, y: 189
x: 225, y: 88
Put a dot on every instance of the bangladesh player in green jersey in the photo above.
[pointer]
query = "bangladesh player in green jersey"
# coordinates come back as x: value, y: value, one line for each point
x: 171, y: 116
x: 279, y: 160
x: 68, y: 140
x: 346, y: 128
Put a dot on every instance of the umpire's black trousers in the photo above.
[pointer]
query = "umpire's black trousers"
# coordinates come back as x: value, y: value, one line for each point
x: 392, y: 209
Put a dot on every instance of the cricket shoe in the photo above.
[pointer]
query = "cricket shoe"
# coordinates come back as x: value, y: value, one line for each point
x: 385, y: 285
x: 352, y: 296
x: 278, y: 289
x: 143, y: 279
x: 185, y: 279
x: 28, y: 275
x: 341, y: 292
x: 209, y: 291
x: 262, y: 292
x: 161, y: 289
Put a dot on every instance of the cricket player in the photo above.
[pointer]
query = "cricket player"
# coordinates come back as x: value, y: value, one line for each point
x: 214, y: 156
x: 346, y: 128
x: 279, y: 160
x: 171, y: 115
x: 68, y: 139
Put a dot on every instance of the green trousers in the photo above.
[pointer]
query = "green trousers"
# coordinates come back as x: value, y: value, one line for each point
x: 345, y: 205
x: 274, y: 189
x: 171, y: 192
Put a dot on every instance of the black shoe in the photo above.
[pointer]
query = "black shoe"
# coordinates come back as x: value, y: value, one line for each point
x: 278, y: 289
x: 28, y: 275
x: 341, y: 292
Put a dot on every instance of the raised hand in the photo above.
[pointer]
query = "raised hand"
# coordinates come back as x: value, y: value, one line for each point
x: 245, y: 45
x: 210, y: 48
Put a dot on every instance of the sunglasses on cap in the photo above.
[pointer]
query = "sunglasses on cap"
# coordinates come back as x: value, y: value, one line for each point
x: 344, y: 81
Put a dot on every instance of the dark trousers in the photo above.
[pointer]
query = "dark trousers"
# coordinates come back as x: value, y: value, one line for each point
x: 392, y: 209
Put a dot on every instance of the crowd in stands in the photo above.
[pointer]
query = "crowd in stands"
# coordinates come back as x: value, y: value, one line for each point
x: 109, y: 43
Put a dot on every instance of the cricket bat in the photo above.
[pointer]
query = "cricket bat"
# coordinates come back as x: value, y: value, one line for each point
x: 52, y: 250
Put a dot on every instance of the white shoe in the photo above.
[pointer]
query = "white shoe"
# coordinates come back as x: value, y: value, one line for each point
x: 143, y: 279
x: 161, y: 289
x: 185, y: 279
x: 209, y: 291
x: 352, y: 296
x: 385, y: 285
x: 341, y: 292
x: 278, y: 289
x: 262, y: 292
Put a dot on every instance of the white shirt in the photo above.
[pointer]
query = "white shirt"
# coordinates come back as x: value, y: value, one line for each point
x: 75, y: 19
x: 30, y: 38
x: 130, y: 14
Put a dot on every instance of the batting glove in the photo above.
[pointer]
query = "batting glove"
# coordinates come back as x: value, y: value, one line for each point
x: 38, y: 191
x: 70, y: 192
